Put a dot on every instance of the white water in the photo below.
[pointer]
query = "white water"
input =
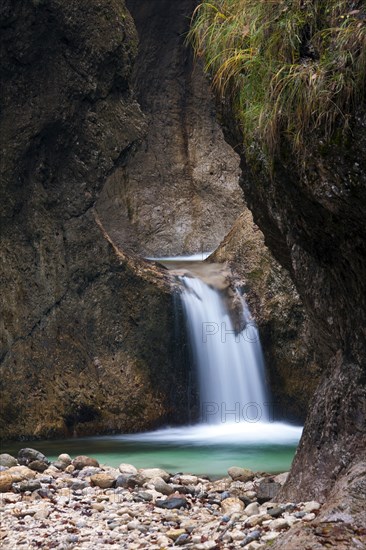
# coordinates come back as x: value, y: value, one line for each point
x: 236, y: 409
x: 229, y: 364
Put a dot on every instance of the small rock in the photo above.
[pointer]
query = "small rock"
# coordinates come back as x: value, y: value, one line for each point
x: 312, y: 506
x: 134, y: 524
x: 7, y: 460
x: 252, y: 509
x: 275, y: 512
x: 20, y: 473
x: 231, y: 505
x: 65, y: 458
x: 309, y: 517
x: 81, y: 462
x: 254, y: 535
x: 28, y: 455
x: 258, y: 519
x: 182, y: 539
x: 267, y: 490
x: 27, y: 485
x: 188, y: 480
x: 240, y: 474
x: 237, y: 535
x: 162, y: 487
x: 38, y: 465
x: 78, y: 485
x: 6, y: 482
x: 278, y: 524
x: 97, y: 506
x: 175, y: 533
x: 271, y: 535
x: 172, y: 503
x: 144, y: 496
x: 151, y: 473
x: 127, y: 469
x: 59, y: 465
x: 124, y: 481
x: 104, y: 481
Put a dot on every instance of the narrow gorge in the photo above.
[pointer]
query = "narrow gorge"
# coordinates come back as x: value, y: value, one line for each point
x: 122, y: 154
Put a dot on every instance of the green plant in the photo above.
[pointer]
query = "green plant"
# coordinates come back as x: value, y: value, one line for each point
x: 289, y: 67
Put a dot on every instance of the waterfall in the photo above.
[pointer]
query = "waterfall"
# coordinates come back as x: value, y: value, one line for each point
x: 229, y: 362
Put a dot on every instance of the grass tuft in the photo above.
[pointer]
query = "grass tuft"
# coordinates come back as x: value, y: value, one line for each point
x: 289, y: 67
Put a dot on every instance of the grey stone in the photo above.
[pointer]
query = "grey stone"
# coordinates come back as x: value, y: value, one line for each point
x: 7, y: 460
x: 267, y: 490
x: 29, y: 455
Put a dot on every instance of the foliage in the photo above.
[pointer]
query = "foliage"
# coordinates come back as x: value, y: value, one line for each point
x: 289, y: 67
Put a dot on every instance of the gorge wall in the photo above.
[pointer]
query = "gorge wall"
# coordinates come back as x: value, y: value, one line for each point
x: 89, y: 177
x: 168, y: 199
x: 81, y: 349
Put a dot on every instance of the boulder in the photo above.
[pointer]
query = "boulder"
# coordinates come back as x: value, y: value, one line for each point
x: 240, y: 474
x: 83, y: 461
x: 7, y: 460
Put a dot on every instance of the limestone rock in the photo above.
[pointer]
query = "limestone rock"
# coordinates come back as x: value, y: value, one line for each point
x: 28, y: 456
x: 231, y: 505
x: 104, y: 481
x: 127, y: 469
x: 7, y: 460
x: 82, y: 461
x: 240, y: 474
x: 151, y: 473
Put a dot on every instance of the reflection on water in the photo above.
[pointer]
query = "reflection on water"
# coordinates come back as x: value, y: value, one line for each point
x: 200, y: 449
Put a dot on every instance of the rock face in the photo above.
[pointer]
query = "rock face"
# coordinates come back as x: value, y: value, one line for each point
x: 313, y: 219
x: 169, y: 198
x: 292, y: 367
x: 81, y: 349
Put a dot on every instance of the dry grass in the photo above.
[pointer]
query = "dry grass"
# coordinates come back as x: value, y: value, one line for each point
x: 289, y: 67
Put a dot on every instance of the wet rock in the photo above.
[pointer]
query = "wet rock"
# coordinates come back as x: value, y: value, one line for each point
x: 7, y: 460
x: 267, y: 490
x: 104, y: 481
x: 172, y: 503
x: 231, y: 505
x: 240, y: 474
x: 83, y: 461
x: 28, y: 455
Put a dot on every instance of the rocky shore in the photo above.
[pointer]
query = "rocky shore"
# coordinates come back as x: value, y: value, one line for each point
x: 81, y: 504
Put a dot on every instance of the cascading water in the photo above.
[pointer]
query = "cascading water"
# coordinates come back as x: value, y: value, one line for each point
x: 235, y: 427
x: 229, y: 361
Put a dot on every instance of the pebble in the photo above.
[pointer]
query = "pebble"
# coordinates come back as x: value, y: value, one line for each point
x: 95, y: 506
x: 104, y: 481
x: 312, y: 506
x: 231, y: 505
x: 128, y: 469
x: 83, y: 461
x: 240, y: 474
x: 7, y: 460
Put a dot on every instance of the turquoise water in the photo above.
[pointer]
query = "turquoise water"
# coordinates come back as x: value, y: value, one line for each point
x: 201, y: 449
